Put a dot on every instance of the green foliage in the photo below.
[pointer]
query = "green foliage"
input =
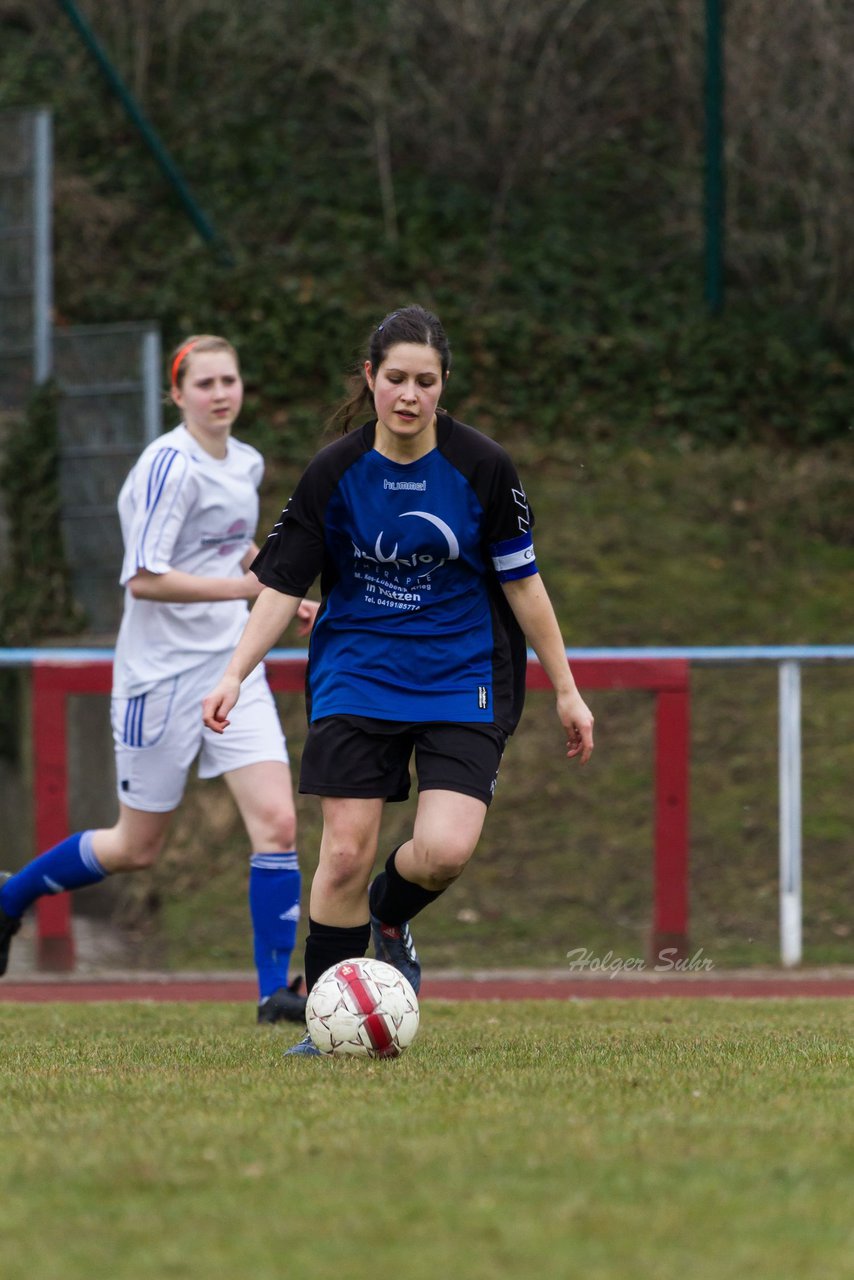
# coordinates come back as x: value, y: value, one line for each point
x: 35, y: 597
x: 539, y: 184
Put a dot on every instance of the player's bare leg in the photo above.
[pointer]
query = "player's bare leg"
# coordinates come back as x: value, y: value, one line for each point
x: 447, y: 829
x: 264, y: 796
x: 348, y: 847
x: 134, y: 843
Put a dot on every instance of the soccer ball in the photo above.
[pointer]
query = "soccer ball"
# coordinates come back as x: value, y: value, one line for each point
x: 363, y: 1008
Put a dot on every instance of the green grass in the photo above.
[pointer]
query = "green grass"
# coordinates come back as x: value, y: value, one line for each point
x: 604, y: 1139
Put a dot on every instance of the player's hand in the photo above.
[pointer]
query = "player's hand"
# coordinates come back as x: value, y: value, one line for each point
x: 217, y: 705
x: 306, y: 614
x: 577, y: 719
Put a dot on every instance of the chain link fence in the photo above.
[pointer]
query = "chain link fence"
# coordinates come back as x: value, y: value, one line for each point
x: 109, y: 408
x: 108, y: 375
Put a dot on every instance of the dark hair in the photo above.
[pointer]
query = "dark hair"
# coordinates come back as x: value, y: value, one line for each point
x: 408, y: 324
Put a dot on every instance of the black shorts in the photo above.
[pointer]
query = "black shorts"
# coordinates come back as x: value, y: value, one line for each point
x: 361, y: 758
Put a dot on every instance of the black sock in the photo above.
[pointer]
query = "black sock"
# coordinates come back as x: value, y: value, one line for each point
x: 327, y: 944
x: 395, y: 900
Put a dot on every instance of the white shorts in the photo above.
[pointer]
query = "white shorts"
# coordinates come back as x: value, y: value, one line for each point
x: 158, y: 735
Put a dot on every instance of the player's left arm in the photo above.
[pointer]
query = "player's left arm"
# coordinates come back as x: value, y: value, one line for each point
x: 307, y: 611
x: 533, y: 610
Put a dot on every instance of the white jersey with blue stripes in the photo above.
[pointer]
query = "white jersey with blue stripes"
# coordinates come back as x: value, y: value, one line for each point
x: 182, y: 509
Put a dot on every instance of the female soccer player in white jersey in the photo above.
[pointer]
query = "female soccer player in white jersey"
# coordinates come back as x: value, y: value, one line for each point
x: 188, y: 510
x: 421, y: 533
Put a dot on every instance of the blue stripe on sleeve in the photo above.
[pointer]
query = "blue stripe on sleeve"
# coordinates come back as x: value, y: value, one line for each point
x: 160, y: 468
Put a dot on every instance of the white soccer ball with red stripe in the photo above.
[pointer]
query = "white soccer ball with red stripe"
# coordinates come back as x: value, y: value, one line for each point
x: 364, y: 1008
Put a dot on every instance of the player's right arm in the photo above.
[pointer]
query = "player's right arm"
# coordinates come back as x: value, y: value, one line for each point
x: 288, y: 563
x: 271, y: 613
x: 174, y: 586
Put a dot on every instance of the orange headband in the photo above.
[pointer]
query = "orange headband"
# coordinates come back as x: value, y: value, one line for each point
x: 182, y: 352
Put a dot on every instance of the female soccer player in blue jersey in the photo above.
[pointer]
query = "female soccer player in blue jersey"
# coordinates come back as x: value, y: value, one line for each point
x: 188, y: 510
x: 421, y: 533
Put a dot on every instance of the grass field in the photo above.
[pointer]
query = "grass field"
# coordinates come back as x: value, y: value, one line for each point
x: 710, y: 1139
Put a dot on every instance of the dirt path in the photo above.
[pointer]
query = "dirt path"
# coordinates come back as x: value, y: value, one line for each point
x: 498, y: 985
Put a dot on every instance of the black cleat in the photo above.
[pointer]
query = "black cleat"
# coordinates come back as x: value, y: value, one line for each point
x: 393, y: 943
x: 9, y: 926
x: 284, y: 1005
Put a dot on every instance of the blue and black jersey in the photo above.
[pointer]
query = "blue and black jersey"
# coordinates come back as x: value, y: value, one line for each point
x: 413, y: 624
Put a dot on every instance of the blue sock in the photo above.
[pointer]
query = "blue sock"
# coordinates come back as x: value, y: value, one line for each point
x: 71, y: 864
x: 274, y: 894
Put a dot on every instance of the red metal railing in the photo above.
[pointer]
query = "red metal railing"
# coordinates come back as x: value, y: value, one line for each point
x: 53, y: 682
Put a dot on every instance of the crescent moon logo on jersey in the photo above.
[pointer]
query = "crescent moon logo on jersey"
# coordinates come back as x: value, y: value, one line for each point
x: 453, y: 544
x: 420, y: 559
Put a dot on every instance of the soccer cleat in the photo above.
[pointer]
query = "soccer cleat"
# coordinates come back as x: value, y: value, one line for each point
x: 9, y: 926
x: 393, y: 943
x: 284, y: 1005
x: 305, y: 1048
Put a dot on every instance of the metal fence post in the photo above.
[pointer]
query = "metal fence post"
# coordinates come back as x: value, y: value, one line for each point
x: 714, y: 172
x: 790, y: 813
x: 42, y: 246
x: 152, y: 417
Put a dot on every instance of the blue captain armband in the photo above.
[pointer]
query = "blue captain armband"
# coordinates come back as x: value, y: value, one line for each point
x: 514, y: 558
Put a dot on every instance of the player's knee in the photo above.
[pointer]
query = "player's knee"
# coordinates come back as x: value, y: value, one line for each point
x: 281, y: 826
x: 139, y: 855
x: 442, y: 864
x: 345, y: 868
